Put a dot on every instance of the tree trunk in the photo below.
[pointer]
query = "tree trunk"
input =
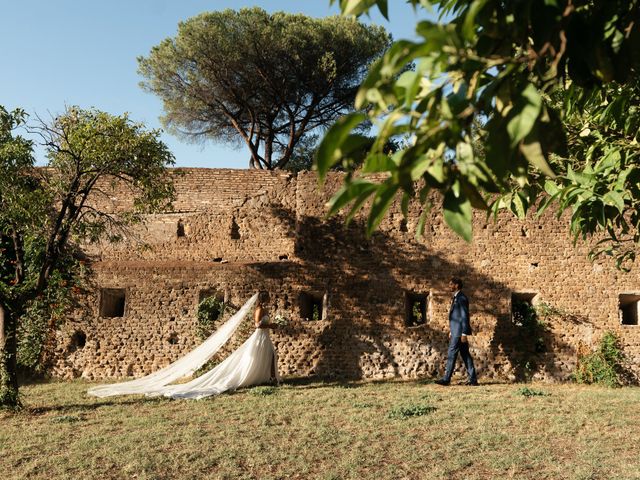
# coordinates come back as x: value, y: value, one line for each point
x: 8, y: 360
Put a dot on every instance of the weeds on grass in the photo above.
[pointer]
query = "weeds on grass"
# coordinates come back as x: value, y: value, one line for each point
x: 263, y: 391
x: 403, y: 412
x: 530, y: 392
x: 66, y: 419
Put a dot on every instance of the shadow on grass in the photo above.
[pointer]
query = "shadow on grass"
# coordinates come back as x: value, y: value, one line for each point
x: 84, y: 407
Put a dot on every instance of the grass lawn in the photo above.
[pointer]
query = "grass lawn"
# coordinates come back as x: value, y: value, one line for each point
x: 390, y: 430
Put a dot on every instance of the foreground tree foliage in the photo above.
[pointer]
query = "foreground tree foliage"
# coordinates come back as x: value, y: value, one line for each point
x: 549, y: 88
x: 45, y: 212
x: 265, y: 80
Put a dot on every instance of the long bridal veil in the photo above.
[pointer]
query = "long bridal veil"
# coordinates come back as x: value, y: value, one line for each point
x: 255, y: 362
x: 185, y: 366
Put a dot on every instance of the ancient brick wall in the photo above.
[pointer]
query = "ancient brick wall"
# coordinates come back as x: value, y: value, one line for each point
x: 237, y: 231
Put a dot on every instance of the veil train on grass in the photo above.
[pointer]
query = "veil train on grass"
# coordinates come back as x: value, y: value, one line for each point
x: 155, y: 383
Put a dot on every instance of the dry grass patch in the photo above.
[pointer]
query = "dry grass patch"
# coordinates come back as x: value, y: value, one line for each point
x: 326, y: 431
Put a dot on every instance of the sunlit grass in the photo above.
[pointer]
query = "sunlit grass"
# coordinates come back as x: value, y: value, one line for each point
x: 324, y: 430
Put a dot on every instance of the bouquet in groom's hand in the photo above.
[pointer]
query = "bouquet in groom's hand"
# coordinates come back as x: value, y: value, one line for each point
x: 280, y: 321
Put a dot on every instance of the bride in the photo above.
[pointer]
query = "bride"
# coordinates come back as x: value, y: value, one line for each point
x: 253, y: 363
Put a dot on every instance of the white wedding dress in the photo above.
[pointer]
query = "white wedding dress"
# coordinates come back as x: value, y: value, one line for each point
x: 251, y: 364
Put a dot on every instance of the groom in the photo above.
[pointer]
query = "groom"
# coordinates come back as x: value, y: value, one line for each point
x: 459, y: 329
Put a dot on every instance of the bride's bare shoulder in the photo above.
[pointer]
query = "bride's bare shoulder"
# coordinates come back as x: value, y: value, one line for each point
x: 257, y: 315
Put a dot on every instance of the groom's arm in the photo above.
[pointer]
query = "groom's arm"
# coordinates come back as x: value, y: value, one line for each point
x: 466, y: 326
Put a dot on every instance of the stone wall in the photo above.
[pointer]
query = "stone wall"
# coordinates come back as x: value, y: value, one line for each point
x: 239, y: 231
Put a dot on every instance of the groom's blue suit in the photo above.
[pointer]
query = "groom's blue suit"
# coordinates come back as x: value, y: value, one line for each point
x: 458, y: 326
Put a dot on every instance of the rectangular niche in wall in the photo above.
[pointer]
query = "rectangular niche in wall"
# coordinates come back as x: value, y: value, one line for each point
x: 113, y: 302
x: 312, y: 306
x: 180, y: 230
x: 415, y: 305
x: 629, y: 308
x: 522, y: 307
x: 215, y: 304
x: 220, y: 295
x: 235, y: 229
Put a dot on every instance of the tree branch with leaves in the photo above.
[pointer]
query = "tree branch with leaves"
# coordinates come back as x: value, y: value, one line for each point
x: 517, y: 78
x: 46, y: 212
x: 263, y: 80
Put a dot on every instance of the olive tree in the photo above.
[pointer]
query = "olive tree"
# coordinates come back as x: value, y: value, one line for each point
x: 44, y: 212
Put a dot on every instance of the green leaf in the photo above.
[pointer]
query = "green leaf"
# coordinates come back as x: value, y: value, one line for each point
x: 518, y: 206
x: 436, y: 172
x: 614, y: 199
x: 468, y: 26
x: 473, y: 194
x: 384, y: 8
x: 551, y: 187
x: 359, y: 202
x: 404, y: 206
x: 524, y: 114
x: 381, y: 202
x: 497, y: 154
x: 329, y: 150
x: 349, y: 192
x: 356, y: 7
x: 378, y: 162
x: 532, y: 151
x: 369, y: 83
x: 422, y: 220
x: 546, y: 202
x: 622, y: 178
x: 610, y: 160
x: 408, y: 85
x: 458, y: 214
x: 424, y: 193
x: 464, y: 152
x: 419, y: 164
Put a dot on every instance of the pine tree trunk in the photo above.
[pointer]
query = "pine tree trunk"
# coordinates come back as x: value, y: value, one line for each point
x: 8, y: 360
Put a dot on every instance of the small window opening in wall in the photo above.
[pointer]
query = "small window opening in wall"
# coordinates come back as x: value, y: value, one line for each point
x: 415, y: 308
x: 173, y: 339
x: 403, y: 225
x: 313, y: 307
x: 78, y: 341
x: 113, y: 302
x: 219, y: 294
x: 629, y: 308
x: 180, y: 230
x: 522, y: 306
x: 235, y: 229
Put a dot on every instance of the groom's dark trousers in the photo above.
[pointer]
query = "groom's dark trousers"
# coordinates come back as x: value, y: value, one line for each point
x: 459, y: 325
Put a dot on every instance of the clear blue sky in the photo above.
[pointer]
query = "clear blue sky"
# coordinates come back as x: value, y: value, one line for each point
x: 59, y: 53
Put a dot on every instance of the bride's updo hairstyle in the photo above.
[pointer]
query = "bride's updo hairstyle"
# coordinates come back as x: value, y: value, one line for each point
x: 263, y: 298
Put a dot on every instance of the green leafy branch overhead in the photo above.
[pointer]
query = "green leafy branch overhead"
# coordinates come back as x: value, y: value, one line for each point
x: 511, y: 105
